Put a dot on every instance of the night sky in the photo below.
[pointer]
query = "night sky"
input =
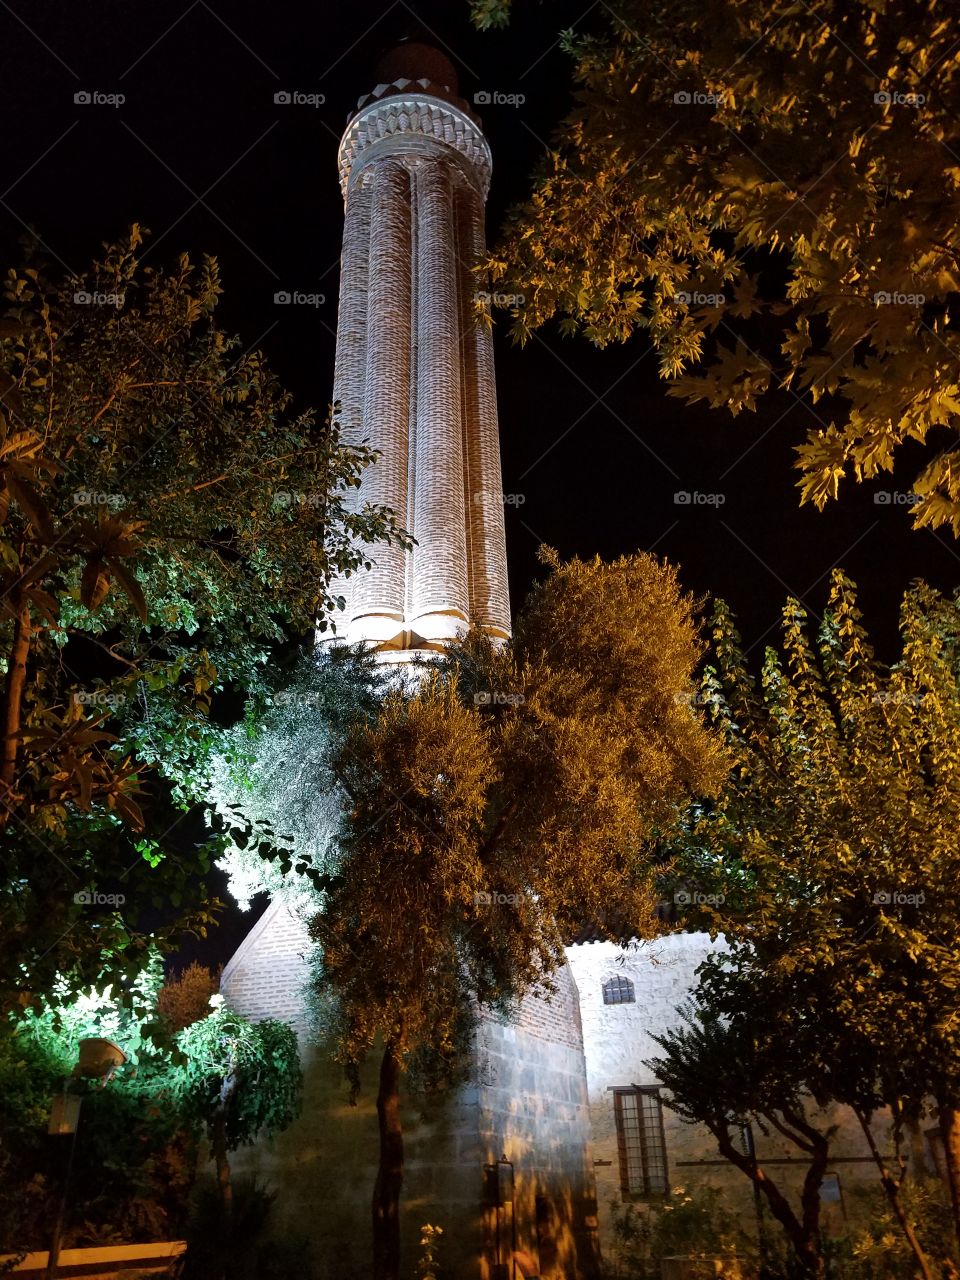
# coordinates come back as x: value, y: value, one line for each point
x: 201, y: 155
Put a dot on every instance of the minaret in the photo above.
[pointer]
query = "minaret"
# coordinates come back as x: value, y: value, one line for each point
x: 414, y: 368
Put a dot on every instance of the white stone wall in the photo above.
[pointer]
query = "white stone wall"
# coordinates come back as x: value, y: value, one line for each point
x: 618, y: 1038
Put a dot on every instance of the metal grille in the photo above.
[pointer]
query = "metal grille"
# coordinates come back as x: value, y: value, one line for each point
x: 618, y: 991
x: 643, y: 1152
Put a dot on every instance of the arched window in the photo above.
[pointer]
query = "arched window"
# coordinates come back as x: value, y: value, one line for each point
x: 618, y: 990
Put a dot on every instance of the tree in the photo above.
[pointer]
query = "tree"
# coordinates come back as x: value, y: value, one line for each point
x: 833, y: 851
x: 186, y: 999
x: 240, y: 1080
x: 496, y: 803
x: 167, y: 521
x: 134, y: 1156
x: 725, y: 1074
x: 769, y: 193
x: 221, y: 1077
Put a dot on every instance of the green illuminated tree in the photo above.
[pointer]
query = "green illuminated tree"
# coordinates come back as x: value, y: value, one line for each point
x: 240, y: 1080
x: 167, y: 521
x: 769, y: 193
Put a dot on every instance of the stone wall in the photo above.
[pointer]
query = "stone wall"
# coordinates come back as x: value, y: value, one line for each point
x: 533, y: 1110
x: 525, y: 1099
x: 618, y: 1038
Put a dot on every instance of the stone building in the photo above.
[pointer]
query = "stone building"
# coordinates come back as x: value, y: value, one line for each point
x: 559, y: 1119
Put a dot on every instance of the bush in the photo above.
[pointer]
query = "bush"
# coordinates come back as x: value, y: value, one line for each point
x: 237, y: 1246
x: 685, y: 1223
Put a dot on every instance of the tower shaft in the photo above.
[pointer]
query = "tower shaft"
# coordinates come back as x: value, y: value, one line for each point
x: 414, y: 370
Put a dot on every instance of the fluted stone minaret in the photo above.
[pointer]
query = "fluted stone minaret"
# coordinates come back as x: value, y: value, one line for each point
x: 414, y: 369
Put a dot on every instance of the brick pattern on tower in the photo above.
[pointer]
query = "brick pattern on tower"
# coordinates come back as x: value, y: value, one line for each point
x: 414, y: 370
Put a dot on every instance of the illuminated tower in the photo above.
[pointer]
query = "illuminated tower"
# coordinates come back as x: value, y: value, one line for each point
x: 414, y: 370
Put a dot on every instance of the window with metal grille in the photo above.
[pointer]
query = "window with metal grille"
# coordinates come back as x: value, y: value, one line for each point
x: 643, y: 1151
x: 618, y: 991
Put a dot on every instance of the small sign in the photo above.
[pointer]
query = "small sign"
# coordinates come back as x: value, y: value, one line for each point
x: 830, y: 1188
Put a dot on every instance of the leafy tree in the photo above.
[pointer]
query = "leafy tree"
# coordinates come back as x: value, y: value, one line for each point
x: 769, y: 192
x: 134, y: 1158
x: 495, y: 804
x: 167, y: 520
x: 834, y: 847
x: 186, y: 999
x: 723, y: 1074
x: 240, y: 1080
x: 138, y: 1141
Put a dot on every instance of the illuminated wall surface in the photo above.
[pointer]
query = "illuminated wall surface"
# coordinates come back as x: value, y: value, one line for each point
x: 414, y: 377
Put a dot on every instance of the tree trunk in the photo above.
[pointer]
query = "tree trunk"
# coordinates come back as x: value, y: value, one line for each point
x: 12, y: 703
x: 802, y: 1236
x: 892, y: 1188
x: 386, y: 1191
x: 218, y: 1140
x: 949, y: 1118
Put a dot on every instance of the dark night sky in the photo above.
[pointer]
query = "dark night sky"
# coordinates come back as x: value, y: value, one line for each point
x: 200, y: 154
